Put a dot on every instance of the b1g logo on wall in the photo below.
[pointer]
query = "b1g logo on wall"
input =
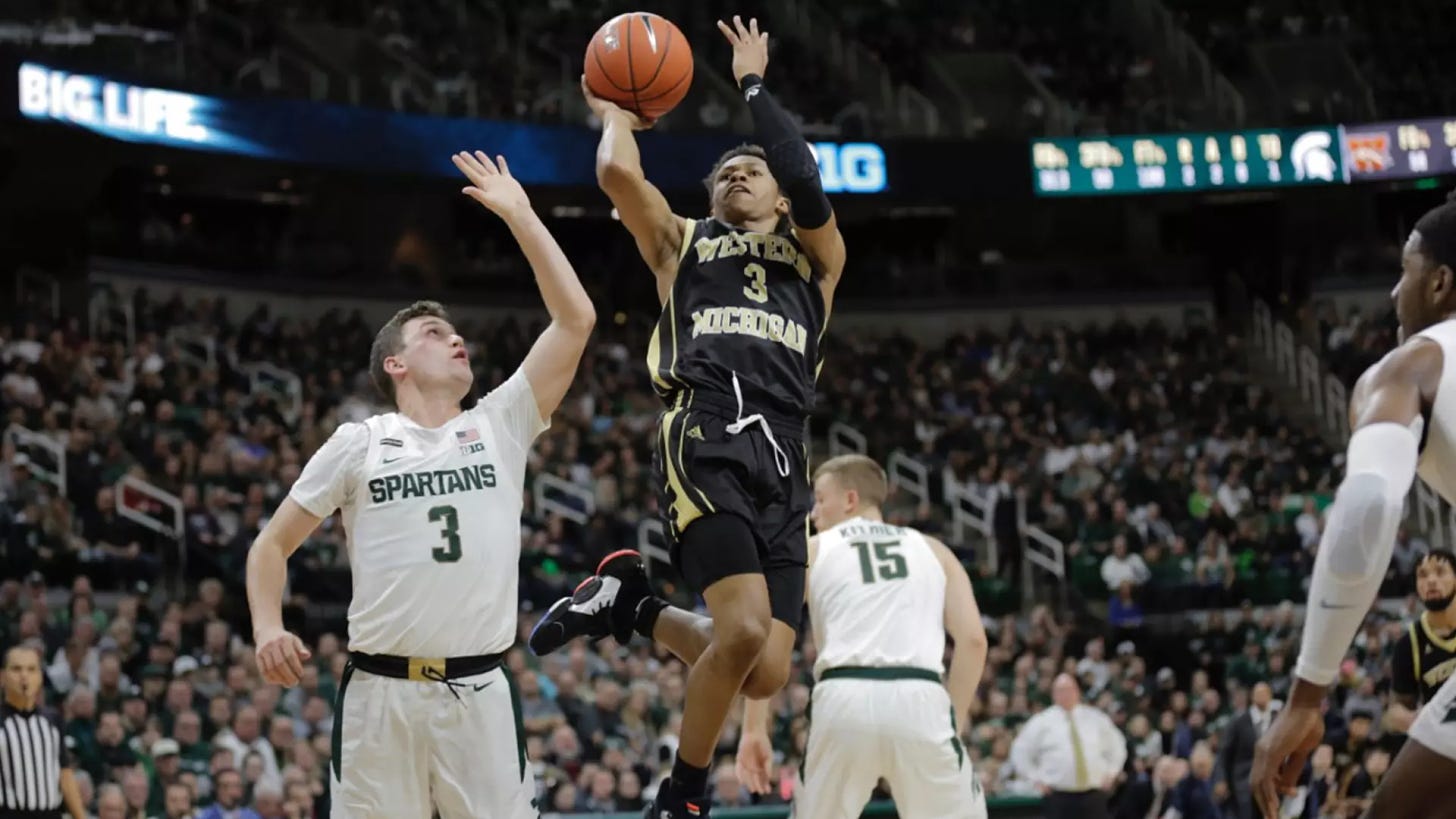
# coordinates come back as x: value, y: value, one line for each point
x: 850, y: 167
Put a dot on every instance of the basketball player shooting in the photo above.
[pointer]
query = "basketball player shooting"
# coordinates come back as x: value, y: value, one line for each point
x: 882, y: 600
x: 745, y: 295
x: 427, y: 721
x: 1403, y: 415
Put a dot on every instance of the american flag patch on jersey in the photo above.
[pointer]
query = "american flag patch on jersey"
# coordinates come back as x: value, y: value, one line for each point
x: 467, y: 436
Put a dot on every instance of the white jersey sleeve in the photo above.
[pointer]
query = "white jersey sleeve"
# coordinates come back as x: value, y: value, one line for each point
x: 328, y: 479
x: 514, y: 415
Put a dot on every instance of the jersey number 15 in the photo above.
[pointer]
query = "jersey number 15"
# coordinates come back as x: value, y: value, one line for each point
x: 887, y: 563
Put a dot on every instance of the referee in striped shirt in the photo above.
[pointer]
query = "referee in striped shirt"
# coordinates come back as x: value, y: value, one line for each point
x: 34, y: 772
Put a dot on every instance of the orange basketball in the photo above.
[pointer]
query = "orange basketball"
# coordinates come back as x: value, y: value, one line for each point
x: 641, y: 62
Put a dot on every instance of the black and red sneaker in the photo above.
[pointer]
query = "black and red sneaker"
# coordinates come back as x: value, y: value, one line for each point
x: 669, y: 806
x: 604, y: 604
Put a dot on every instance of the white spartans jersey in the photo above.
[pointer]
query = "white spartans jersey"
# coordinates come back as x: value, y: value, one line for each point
x: 1437, y: 466
x: 876, y: 598
x: 433, y: 518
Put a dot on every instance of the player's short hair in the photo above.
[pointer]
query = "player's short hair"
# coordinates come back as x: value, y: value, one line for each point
x: 745, y: 149
x: 390, y: 340
x: 860, y: 473
x: 1441, y: 556
x: 1438, y: 233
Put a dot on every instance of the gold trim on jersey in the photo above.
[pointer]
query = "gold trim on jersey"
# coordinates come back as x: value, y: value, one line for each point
x: 684, y: 509
x: 689, y: 225
x: 1415, y: 651
x: 1444, y: 643
x: 654, y: 358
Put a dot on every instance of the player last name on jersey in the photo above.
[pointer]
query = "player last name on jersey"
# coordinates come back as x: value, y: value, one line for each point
x: 432, y: 483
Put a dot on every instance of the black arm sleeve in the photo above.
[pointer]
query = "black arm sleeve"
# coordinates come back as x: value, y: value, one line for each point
x: 1403, y: 682
x: 788, y: 155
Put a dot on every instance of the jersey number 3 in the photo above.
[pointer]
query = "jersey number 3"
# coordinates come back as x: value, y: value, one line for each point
x: 756, y: 289
x: 887, y: 563
x: 450, y: 552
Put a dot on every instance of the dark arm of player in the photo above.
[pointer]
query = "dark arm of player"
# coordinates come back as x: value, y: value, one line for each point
x: 797, y: 172
x: 640, y: 205
x: 1355, y: 550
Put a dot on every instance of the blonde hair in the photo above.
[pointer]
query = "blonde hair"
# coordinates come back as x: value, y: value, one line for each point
x: 860, y: 473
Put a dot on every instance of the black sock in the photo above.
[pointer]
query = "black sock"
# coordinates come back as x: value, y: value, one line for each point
x: 646, y: 617
x: 688, y: 780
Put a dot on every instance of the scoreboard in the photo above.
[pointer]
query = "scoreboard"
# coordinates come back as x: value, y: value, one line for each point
x: 1400, y: 150
x: 1165, y: 163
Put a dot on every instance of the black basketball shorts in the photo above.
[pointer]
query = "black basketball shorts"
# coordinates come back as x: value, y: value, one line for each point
x: 705, y: 472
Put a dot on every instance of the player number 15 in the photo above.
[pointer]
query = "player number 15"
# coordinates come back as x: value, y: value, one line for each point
x: 887, y: 563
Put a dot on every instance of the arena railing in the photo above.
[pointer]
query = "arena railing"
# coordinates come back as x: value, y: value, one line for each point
x: 1007, y: 807
x: 563, y: 498
x: 970, y: 513
x: 1177, y: 51
x: 268, y: 379
x: 104, y: 309
x: 651, y: 543
x: 846, y: 440
x: 150, y: 512
x: 29, y: 282
x: 29, y: 443
x: 1300, y: 368
x: 913, y: 113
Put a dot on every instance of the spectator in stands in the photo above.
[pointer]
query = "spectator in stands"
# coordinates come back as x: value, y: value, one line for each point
x: 1194, y: 796
x: 1237, y: 749
x: 1151, y: 794
x: 1122, y: 566
x: 229, y: 804
x: 178, y: 804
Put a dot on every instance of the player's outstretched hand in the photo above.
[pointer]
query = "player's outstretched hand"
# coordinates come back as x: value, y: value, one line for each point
x: 1280, y: 754
x: 750, y: 47
x: 491, y: 183
x: 754, y: 764
x: 605, y: 108
x: 281, y: 656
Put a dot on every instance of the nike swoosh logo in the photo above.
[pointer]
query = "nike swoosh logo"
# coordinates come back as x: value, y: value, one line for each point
x: 390, y: 460
x: 1326, y: 605
x: 483, y: 685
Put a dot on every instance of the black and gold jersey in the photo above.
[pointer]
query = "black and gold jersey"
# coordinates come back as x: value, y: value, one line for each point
x: 744, y: 305
x: 1422, y: 660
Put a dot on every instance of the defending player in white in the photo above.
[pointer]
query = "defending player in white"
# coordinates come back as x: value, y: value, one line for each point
x: 882, y: 600
x: 1403, y: 417
x: 427, y: 720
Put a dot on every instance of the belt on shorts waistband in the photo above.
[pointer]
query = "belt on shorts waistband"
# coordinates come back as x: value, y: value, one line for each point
x: 16, y: 813
x: 727, y: 406
x: 425, y: 669
x: 879, y: 672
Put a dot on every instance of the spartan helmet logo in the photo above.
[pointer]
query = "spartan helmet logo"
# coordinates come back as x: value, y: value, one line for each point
x: 1311, y: 157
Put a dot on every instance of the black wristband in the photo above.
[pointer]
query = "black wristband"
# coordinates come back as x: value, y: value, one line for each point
x: 749, y: 81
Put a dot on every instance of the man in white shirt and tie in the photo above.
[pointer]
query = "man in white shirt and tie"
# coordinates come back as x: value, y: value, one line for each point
x: 1073, y: 752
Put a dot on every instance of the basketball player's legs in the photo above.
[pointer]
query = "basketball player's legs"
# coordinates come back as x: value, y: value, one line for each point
x: 687, y: 634
x: 929, y: 773
x: 381, y: 760
x: 1418, y: 784
x: 477, y: 758
x: 843, y: 760
x: 717, y: 554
